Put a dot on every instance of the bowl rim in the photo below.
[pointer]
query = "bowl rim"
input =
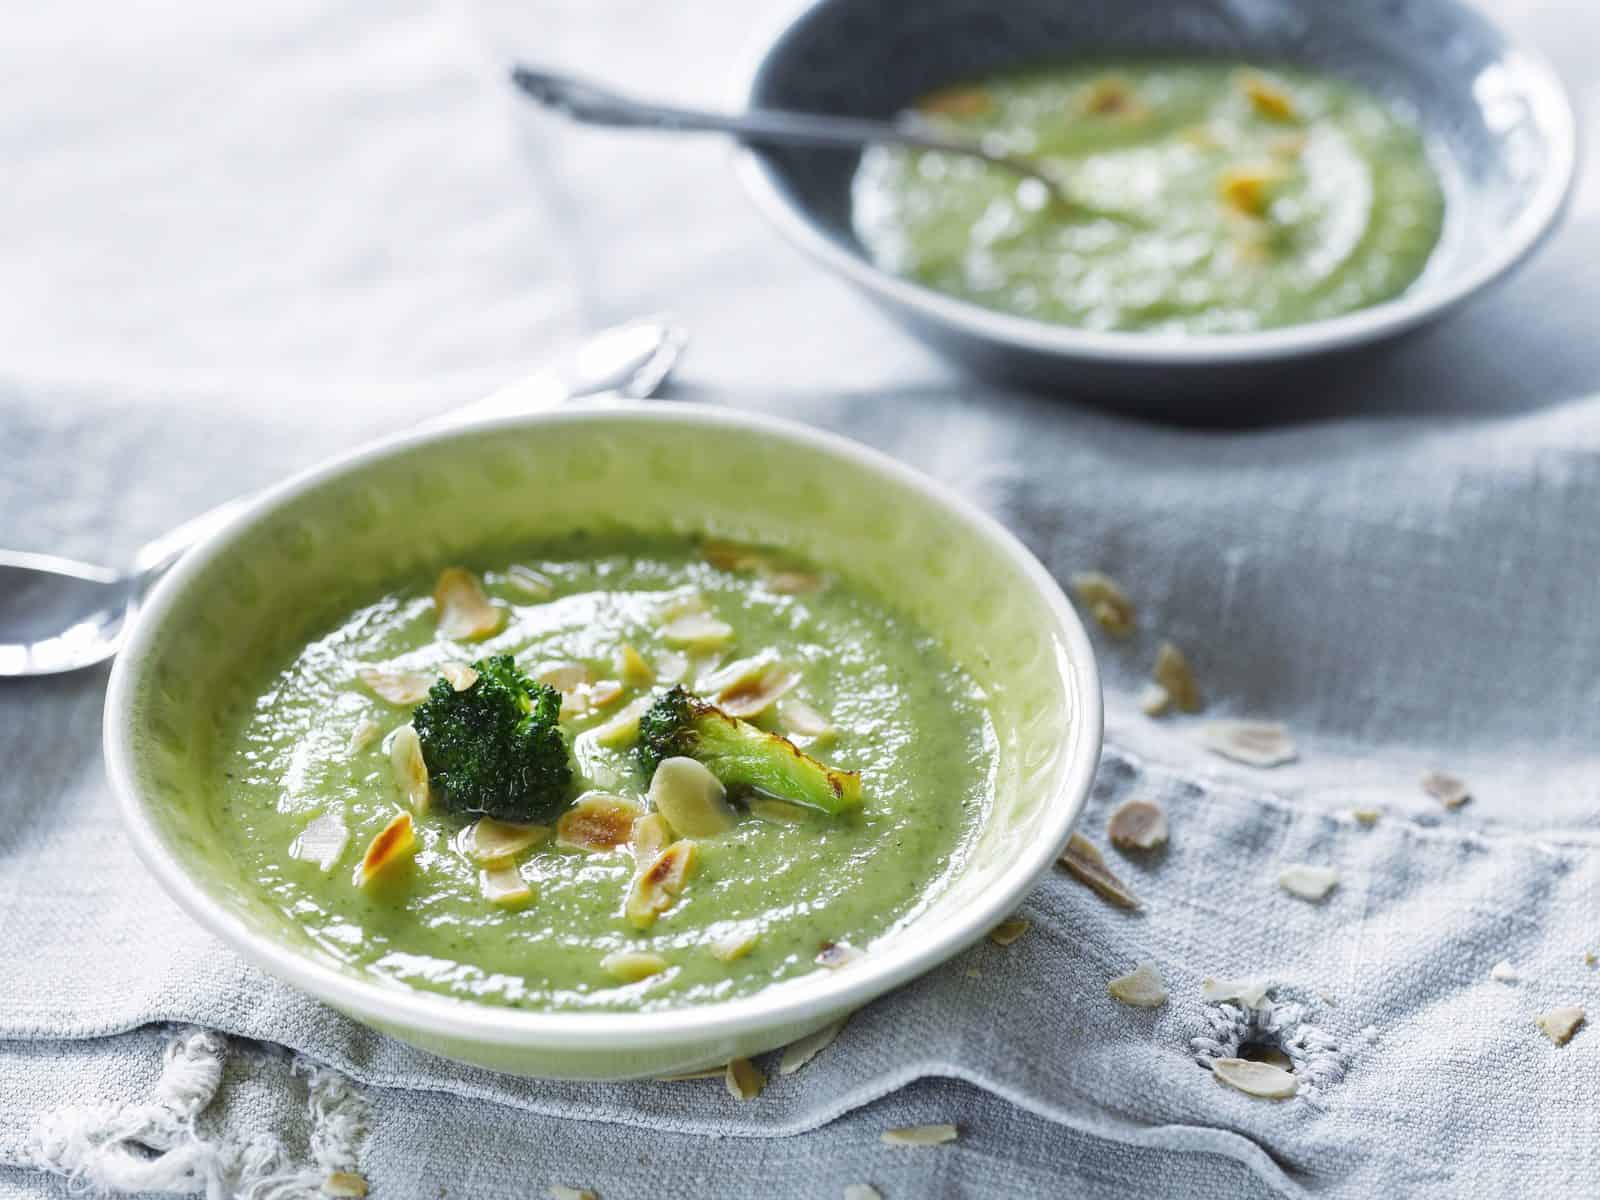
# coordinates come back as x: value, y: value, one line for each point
x: 1553, y: 113
x: 402, y: 1008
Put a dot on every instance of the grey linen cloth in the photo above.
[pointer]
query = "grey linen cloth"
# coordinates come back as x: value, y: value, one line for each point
x: 1402, y: 571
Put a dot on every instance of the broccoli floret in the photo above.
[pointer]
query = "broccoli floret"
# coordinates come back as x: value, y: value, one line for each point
x: 496, y: 748
x: 741, y: 755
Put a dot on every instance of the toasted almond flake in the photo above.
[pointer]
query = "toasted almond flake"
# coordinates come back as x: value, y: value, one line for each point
x: 530, y: 582
x: 1154, y: 700
x: 834, y: 955
x: 1268, y: 98
x: 861, y: 1191
x: 733, y: 946
x: 655, y: 888
x: 1503, y: 972
x: 1258, y: 1079
x: 344, y: 1185
x: 919, y: 1135
x: 1138, y: 825
x: 1106, y: 602
x: 1009, y: 930
x: 651, y: 835
x: 1139, y: 988
x: 1172, y: 673
x: 631, y: 966
x: 691, y: 798
x: 1590, y: 958
x: 597, y: 822
x: 632, y: 667
x: 409, y: 770
x: 1559, y: 1024
x: 362, y: 735
x: 1446, y: 789
x: 560, y: 1191
x: 798, y: 1053
x: 397, y: 687
x: 1254, y: 743
x: 960, y: 100
x: 1086, y: 864
x: 794, y: 583
x: 591, y: 697
x: 797, y: 717
x: 1366, y: 816
x: 1251, y: 993
x: 1249, y: 189
x: 672, y: 666
x: 732, y: 556
x: 463, y: 610
x: 563, y: 676
x: 322, y: 841
x: 719, y: 1072
x: 781, y: 812
x: 504, y: 885
x: 459, y: 675
x: 487, y: 840
x: 623, y: 727
x: 681, y: 604
x: 744, y: 1080
x: 1308, y: 881
x: 749, y: 700
x: 396, y: 842
x: 1111, y: 96
x: 697, y: 631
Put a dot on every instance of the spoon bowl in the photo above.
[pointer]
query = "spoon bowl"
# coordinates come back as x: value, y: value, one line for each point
x: 59, y: 615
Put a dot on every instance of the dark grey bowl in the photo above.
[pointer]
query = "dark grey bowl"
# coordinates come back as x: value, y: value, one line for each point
x: 1497, y: 121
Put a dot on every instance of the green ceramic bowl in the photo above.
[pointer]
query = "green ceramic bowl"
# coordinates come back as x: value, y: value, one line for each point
x: 257, y: 588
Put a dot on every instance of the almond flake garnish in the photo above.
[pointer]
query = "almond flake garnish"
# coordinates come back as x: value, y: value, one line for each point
x: 672, y: 666
x: 748, y: 687
x: 322, y: 841
x: 1140, y: 987
x: 396, y: 842
x: 589, y: 697
x: 651, y: 835
x: 632, y: 667
x: 623, y: 727
x: 1250, y: 189
x: 697, y: 631
x: 1009, y: 930
x: 793, y: 583
x: 1503, y: 972
x: 464, y: 611
x: 799, y: 718
x: 658, y: 886
x: 1085, y: 864
x: 960, y: 100
x: 798, y: 1054
x: 781, y: 812
x: 1254, y: 743
x: 487, y: 840
x: 1268, y: 99
x: 631, y: 966
x: 563, y: 676
x: 834, y: 955
x: 743, y: 1079
x: 530, y: 582
x: 458, y: 675
x: 1307, y: 881
x: 597, y: 822
x: 919, y: 1135
x: 1251, y: 993
x: 861, y: 1191
x: 1111, y: 96
x: 1107, y: 603
x: 504, y: 885
x: 1256, y: 1078
x: 1559, y: 1024
x: 1446, y: 789
x: 362, y: 735
x: 731, y: 556
x: 1173, y: 674
x: 734, y: 946
x: 1138, y: 825
x: 691, y: 798
x: 1154, y: 700
x: 344, y: 1185
x: 397, y: 687
x: 560, y: 1191
x: 409, y: 769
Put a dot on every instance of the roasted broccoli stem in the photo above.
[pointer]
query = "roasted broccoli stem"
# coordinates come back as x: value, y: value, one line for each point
x: 740, y: 755
x: 497, y: 747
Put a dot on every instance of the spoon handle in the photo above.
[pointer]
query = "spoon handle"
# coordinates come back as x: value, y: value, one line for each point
x: 595, y: 105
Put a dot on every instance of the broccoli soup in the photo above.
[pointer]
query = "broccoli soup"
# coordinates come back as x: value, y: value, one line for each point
x: 1199, y: 197
x: 607, y: 775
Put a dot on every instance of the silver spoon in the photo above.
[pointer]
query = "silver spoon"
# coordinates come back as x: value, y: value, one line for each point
x: 595, y: 105
x: 60, y: 615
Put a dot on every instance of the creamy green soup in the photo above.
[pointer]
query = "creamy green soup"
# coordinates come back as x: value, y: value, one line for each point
x: 317, y: 767
x: 1202, y: 197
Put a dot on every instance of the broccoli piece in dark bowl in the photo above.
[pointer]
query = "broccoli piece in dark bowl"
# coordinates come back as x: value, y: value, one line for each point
x: 496, y: 748
x: 740, y: 755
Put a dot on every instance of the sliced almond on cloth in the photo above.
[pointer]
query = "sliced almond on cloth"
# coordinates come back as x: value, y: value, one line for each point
x: 1138, y: 825
x: 1009, y: 930
x: 1446, y: 789
x: 798, y: 1054
x: 1251, y: 993
x: 560, y: 1191
x: 1254, y: 743
x: 919, y: 1135
x: 1085, y: 864
x: 1559, y: 1024
x: 1172, y: 673
x: 744, y: 1080
x: 1141, y: 987
x: 861, y: 1191
x: 344, y: 1185
x: 1503, y: 972
x: 1105, y: 601
x: 1308, y: 881
x: 1256, y: 1078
